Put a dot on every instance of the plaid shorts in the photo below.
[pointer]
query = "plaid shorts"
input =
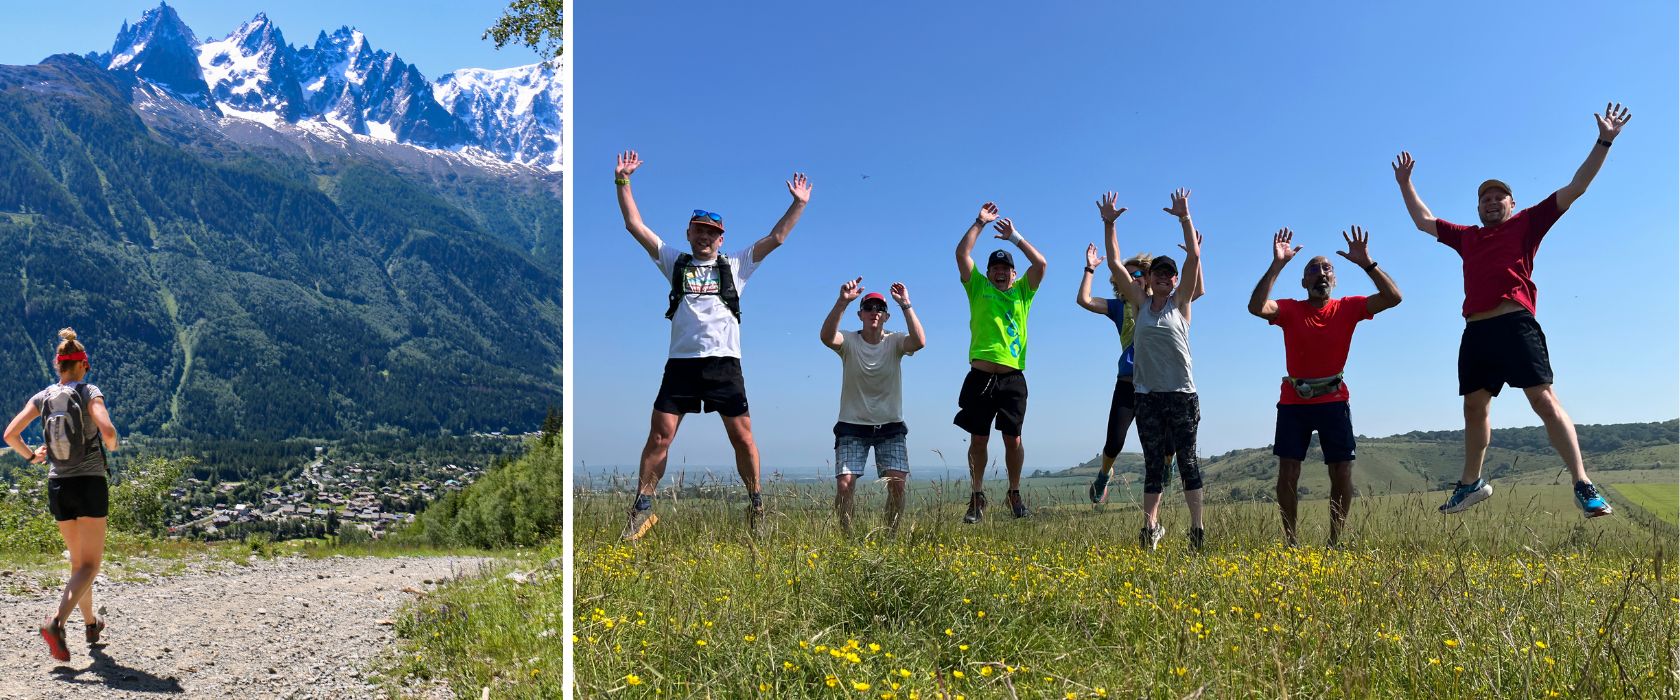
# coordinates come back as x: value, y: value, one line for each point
x: 852, y: 453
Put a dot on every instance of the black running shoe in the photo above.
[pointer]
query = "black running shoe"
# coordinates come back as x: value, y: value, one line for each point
x: 1017, y: 506
x: 976, y: 507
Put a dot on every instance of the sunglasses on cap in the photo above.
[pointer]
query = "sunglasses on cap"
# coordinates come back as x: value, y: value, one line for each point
x: 703, y: 215
x: 1319, y: 269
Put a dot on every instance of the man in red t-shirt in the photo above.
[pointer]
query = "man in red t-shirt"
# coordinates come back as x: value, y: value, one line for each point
x: 1502, y: 342
x: 1316, y: 336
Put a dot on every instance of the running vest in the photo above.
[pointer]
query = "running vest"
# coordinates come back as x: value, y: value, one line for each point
x: 726, y: 285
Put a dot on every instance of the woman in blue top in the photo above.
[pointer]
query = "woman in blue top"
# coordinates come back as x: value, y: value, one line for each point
x: 76, y: 434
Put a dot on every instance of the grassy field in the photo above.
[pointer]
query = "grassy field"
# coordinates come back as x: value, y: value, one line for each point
x: 1661, y: 499
x: 1519, y: 597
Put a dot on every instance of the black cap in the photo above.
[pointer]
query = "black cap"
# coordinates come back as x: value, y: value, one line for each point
x: 1001, y: 257
x: 1162, y: 262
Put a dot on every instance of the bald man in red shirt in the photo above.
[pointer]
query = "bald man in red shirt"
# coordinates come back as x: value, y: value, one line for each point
x: 1502, y: 342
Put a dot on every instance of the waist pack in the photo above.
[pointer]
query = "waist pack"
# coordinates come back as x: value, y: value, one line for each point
x: 1314, y: 388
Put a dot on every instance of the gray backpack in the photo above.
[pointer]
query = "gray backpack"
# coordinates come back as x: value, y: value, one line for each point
x: 67, y: 425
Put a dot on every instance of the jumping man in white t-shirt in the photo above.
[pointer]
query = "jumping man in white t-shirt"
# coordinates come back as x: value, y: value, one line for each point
x: 703, y: 372
x: 871, y: 396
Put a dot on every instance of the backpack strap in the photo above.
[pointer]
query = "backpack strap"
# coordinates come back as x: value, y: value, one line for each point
x: 676, y: 284
x: 726, y: 286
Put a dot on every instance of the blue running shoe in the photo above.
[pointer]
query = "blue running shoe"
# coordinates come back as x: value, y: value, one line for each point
x: 1592, y: 504
x: 1099, y: 488
x: 1466, y: 495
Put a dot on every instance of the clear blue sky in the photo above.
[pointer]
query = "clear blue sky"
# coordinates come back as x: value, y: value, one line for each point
x: 1276, y: 115
x: 435, y: 35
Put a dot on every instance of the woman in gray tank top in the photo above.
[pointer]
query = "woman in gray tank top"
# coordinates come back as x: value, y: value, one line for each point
x: 76, y: 434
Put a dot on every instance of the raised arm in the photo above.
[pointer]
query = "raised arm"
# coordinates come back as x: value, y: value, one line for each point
x: 800, y: 188
x: 965, y: 247
x: 1109, y: 209
x: 1096, y: 306
x: 1421, y: 216
x: 1201, y: 273
x: 830, y: 333
x: 1609, y: 127
x: 1035, y: 269
x: 1260, y: 302
x: 1186, y: 291
x: 917, y: 338
x: 1358, y: 253
x: 628, y: 162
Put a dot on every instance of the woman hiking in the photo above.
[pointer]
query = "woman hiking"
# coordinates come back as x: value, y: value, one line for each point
x: 76, y: 433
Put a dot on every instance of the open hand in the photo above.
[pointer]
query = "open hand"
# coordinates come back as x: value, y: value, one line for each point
x: 852, y: 289
x: 1180, y: 203
x: 1611, y: 122
x: 1281, y: 252
x: 988, y: 213
x: 1005, y: 228
x: 800, y: 188
x: 1106, y: 207
x: 899, y: 293
x: 1198, y: 243
x: 1403, y: 167
x: 1358, y: 251
x: 628, y: 161
x: 1091, y: 258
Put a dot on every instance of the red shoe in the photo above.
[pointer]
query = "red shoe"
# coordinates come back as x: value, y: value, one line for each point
x: 53, y: 633
x: 94, y: 630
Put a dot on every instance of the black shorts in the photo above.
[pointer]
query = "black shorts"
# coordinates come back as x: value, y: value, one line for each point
x: 78, y: 497
x: 1507, y: 349
x: 1296, y: 423
x: 702, y: 385
x: 986, y: 396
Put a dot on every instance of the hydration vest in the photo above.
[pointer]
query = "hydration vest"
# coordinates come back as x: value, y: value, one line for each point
x: 726, y: 285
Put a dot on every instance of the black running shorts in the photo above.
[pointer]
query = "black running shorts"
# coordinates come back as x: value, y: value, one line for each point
x: 1507, y: 349
x: 986, y: 396
x: 702, y: 385
x: 74, y: 497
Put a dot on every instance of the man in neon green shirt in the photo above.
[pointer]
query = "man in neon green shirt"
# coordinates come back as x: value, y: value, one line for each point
x: 995, y: 390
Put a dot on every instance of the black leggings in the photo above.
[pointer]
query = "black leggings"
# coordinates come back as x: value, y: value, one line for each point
x: 1120, y: 413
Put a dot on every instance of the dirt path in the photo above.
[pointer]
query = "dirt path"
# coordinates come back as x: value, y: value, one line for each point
x: 282, y: 628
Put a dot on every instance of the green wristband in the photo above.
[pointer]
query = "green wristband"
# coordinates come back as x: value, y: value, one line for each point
x: 621, y: 181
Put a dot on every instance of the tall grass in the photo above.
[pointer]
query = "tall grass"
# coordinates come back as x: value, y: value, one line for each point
x: 1519, y: 597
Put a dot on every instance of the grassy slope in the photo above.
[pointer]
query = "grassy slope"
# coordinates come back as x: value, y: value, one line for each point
x: 1508, y: 599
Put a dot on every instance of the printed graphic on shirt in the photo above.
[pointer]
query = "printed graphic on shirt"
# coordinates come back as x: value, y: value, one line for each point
x: 700, y: 279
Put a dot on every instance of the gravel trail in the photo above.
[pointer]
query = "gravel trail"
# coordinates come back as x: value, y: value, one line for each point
x: 288, y: 627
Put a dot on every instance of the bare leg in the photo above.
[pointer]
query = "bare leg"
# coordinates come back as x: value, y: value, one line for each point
x: 1341, y: 498
x: 1559, y: 429
x: 977, y: 460
x: 898, y: 484
x: 746, y: 451
x: 1289, y: 477
x: 1477, y: 434
x: 1151, y: 506
x: 85, y: 559
x: 661, y: 432
x: 1014, y: 455
x: 843, y: 500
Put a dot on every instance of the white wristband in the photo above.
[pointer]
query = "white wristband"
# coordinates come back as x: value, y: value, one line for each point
x: 1015, y: 237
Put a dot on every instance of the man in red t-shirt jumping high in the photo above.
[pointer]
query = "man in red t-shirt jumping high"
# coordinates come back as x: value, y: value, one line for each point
x: 1503, y: 343
x: 1316, y: 336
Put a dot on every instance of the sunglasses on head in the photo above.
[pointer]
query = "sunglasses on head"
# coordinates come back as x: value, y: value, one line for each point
x: 703, y: 214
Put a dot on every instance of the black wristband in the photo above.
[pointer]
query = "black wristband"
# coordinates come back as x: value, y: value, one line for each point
x: 904, y: 307
x: 1604, y: 143
x: 1090, y: 270
x: 1371, y: 267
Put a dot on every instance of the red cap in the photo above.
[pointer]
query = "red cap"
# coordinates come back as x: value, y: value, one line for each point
x: 873, y: 295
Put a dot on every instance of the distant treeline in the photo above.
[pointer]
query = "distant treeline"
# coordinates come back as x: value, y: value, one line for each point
x: 1594, y: 438
x: 515, y: 503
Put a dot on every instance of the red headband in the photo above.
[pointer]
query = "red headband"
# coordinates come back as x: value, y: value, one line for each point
x: 72, y: 357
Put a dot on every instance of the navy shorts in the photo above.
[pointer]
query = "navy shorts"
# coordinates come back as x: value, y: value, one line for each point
x: 1296, y: 423
x: 74, y: 497
x: 1507, y: 349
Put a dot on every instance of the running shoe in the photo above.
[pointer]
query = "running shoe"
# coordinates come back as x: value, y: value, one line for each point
x: 641, y: 520
x: 1099, y: 489
x: 1592, y: 504
x: 1466, y: 495
x: 755, y: 519
x: 1017, y: 506
x: 1150, y: 538
x: 53, y: 633
x: 1197, y: 535
x: 96, y: 629
x: 976, y: 507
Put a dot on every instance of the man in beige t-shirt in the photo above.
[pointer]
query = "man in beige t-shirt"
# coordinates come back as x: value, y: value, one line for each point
x: 871, y: 396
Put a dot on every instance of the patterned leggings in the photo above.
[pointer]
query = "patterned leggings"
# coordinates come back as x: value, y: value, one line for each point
x: 1167, y: 423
